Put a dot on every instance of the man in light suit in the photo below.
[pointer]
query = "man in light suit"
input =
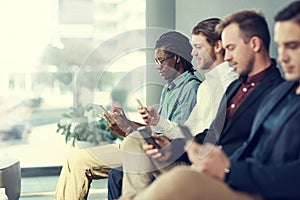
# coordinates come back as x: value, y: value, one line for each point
x: 267, y: 165
x: 246, y: 39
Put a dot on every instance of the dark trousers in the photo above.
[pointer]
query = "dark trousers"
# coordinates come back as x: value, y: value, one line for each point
x: 114, y: 183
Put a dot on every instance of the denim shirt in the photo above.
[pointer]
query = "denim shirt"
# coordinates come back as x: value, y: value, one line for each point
x: 178, y: 97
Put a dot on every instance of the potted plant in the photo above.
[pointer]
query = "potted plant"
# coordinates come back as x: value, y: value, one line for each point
x: 81, y: 124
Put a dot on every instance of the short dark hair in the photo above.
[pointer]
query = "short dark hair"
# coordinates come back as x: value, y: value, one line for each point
x: 251, y: 23
x: 291, y: 12
x: 173, y: 42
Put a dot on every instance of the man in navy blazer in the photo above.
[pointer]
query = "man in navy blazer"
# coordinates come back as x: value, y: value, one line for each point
x: 267, y: 166
x: 246, y: 41
x: 231, y: 134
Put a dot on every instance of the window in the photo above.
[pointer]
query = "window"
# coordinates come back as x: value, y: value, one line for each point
x: 47, y: 48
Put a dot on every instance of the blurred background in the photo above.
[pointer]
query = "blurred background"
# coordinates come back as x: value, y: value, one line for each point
x: 43, y: 46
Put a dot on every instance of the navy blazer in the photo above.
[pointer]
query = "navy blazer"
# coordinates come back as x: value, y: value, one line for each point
x: 237, y: 130
x: 275, y: 173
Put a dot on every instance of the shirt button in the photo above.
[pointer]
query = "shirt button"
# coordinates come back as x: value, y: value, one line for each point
x: 232, y: 105
x: 244, y: 89
x: 252, y: 84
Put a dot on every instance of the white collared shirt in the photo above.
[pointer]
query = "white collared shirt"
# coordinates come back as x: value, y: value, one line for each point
x: 209, y: 95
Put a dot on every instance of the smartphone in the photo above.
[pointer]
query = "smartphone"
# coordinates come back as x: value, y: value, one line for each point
x: 139, y: 103
x: 144, y: 131
x: 99, y: 110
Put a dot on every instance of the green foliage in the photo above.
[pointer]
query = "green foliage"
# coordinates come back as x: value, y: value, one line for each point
x: 81, y: 124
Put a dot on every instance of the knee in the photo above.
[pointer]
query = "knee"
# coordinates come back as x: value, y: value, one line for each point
x: 132, y: 141
x: 178, y: 177
x: 180, y: 171
x: 75, y: 160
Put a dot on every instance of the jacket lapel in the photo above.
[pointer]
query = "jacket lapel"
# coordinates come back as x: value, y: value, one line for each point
x: 221, y: 115
x: 294, y: 108
x: 255, y: 94
x: 233, y: 90
x: 265, y: 111
x: 269, y: 104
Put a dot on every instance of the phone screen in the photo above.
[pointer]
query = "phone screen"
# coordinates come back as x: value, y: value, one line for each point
x: 149, y: 138
x: 100, y: 110
x: 139, y: 102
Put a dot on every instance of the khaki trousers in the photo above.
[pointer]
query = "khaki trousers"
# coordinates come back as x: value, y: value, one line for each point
x: 84, y: 165
x: 185, y: 183
x: 138, y: 167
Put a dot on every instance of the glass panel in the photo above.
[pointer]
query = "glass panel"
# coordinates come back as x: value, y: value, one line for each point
x: 52, y: 59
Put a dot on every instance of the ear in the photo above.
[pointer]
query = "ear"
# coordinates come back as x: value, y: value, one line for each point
x: 256, y: 43
x: 218, y: 46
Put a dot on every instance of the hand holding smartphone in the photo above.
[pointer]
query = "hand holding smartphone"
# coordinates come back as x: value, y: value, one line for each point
x: 141, y: 105
x: 150, y: 139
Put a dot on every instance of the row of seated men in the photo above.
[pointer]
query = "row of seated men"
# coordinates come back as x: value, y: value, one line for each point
x: 244, y: 118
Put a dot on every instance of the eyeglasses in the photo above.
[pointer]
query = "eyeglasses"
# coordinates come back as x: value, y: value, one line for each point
x: 161, y: 61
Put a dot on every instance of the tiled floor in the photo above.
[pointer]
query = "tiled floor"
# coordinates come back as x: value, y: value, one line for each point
x: 42, y: 188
